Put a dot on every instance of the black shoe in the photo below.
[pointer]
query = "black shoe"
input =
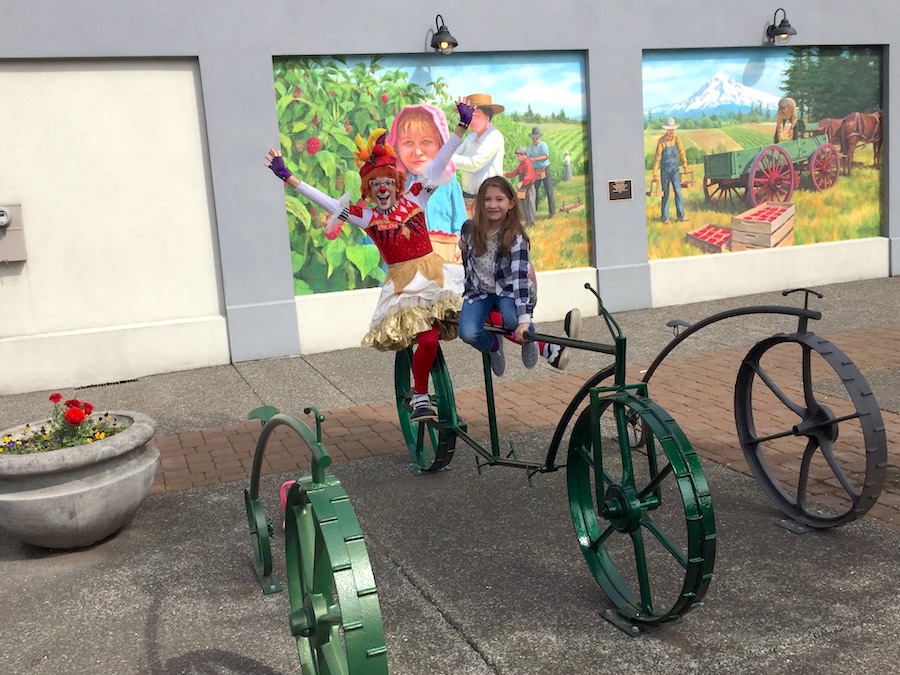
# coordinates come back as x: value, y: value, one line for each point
x: 421, y: 409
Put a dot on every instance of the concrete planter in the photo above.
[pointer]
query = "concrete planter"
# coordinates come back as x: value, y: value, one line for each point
x: 75, y: 497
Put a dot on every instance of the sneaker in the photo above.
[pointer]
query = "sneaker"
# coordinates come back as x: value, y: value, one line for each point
x: 559, y: 356
x: 530, y: 353
x: 684, y: 219
x: 421, y: 408
x: 572, y: 323
x: 498, y: 359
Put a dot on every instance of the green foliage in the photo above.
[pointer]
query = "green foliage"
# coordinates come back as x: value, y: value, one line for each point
x: 834, y: 81
x: 321, y: 106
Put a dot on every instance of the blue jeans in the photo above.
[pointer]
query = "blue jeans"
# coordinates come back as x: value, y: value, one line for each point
x: 475, y: 313
x: 673, y: 179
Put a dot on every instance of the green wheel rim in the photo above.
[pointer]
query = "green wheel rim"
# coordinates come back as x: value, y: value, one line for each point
x: 431, y: 446
x: 335, y: 613
x: 643, y: 517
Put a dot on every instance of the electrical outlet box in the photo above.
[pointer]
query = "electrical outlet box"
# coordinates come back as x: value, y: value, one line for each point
x: 12, y: 235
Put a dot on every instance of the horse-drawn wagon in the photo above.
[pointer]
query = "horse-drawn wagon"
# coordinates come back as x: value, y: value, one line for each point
x: 769, y: 173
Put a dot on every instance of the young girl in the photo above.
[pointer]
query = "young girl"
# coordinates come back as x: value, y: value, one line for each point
x: 495, y: 258
x: 420, y: 292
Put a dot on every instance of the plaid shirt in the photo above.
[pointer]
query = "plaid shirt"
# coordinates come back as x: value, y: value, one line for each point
x: 510, y: 274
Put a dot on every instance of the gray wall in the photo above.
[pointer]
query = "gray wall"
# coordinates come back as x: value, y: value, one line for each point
x: 235, y: 41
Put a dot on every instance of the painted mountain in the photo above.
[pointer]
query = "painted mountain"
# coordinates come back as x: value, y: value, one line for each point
x: 720, y: 95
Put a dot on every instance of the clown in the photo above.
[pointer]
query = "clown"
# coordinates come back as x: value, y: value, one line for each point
x: 420, y: 291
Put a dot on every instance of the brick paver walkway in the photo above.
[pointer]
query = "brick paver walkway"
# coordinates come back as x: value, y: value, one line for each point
x: 697, y: 390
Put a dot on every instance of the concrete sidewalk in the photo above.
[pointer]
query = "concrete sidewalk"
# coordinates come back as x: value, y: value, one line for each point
x: 476, y: 574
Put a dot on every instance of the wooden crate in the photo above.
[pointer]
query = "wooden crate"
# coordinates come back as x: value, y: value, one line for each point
x: 765, y: 218
x: 763, y: 239
x: 787, y: 241
x: 446, y: 245
x: 687, y: 180
x: 710, y: 238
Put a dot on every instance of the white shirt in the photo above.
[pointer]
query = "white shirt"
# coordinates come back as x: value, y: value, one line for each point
x: 479, y: 157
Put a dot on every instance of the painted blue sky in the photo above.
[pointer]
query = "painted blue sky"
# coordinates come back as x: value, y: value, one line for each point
x: 549, y: 82
x: 670, y: 76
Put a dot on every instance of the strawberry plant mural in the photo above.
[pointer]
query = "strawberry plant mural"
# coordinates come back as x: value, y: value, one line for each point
x: 321, y: 106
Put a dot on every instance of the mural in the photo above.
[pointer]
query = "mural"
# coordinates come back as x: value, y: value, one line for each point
x: 323, y: 103
x: 748, y: 149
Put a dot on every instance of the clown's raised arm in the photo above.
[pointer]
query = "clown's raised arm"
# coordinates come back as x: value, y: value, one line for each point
x: 275, y: 162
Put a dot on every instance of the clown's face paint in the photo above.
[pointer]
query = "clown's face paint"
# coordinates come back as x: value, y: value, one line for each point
x: 384, y: 193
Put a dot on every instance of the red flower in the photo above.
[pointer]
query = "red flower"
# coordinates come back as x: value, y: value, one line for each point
x: 88, y: 408
x: 73, y: 403
x: 312, y: 145
x: 55, y: 398
x: 75, y: 416
x: 297, y: 92
x: 385, y: 98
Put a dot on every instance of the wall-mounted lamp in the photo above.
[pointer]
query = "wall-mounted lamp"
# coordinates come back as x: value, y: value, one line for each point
x: 442, y: 41
x: 781, y: 32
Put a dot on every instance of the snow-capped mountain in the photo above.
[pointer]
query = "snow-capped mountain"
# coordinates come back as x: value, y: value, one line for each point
x: 721, y: 94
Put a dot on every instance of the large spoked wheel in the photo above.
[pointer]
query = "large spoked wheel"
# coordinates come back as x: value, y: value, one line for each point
x: 772, y: 177
x: 825, y: 166
x: 644, y: 516
x: 810, y: 429
x: 430, y: 445
x: 724, y: 194
x: 335, y: 614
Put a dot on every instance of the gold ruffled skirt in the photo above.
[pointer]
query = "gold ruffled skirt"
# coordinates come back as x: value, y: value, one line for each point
x: 416, y: 295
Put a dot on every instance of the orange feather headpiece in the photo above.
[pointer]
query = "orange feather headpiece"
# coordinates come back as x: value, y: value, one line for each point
x: 374, y: 153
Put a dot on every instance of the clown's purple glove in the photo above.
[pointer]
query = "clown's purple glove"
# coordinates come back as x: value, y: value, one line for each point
x: 279, y: 169
x: 465, y: 113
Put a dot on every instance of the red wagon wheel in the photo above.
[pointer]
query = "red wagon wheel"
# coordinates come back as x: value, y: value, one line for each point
x: 825, y: 166
x: 724, y: 194
x: 772, y: 177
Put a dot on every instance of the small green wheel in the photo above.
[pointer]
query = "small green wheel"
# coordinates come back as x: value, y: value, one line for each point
x: 430, y: 445
x: 335, y: 614
x: 640, y: 513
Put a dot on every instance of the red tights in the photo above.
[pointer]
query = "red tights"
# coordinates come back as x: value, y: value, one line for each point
x: 423, y: 359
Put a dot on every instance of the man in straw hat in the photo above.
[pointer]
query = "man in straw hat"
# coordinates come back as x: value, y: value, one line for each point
x: 669, y: 152
x: 481, y: 154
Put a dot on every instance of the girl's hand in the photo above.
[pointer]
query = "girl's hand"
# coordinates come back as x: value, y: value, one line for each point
x: 519, y: 332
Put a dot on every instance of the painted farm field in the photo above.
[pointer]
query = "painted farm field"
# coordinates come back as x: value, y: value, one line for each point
x: 850, y: 209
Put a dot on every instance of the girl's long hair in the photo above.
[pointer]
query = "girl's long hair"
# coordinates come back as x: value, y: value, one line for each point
x: 509, y: 228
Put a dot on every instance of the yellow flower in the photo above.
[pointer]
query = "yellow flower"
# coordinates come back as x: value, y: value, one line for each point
x: 90, y: 440
x: 99, y: 435
x: 7, y: 438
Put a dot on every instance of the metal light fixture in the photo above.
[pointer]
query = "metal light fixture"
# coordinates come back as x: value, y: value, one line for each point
x: 781, y: 32
x: 442, y: 41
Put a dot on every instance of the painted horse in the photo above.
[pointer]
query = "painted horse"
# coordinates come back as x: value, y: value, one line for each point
x: 861, y: 129
x: 832, y: 129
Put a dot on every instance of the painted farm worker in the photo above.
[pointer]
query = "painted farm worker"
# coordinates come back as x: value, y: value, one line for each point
x: 567, y: 167
x: 786, y: 128
x: 525, y: 185
x: 539, y: 154
x: 420, y: 290
x: 481, y: 155
x: 669, y: 152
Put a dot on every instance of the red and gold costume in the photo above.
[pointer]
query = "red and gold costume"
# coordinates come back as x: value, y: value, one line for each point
x: 420, y: 290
